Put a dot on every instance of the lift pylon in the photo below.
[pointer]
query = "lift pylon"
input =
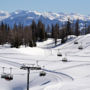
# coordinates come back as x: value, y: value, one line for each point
x: 28, y: 68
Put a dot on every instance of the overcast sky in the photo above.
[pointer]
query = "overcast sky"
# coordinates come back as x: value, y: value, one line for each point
x: 66, y: 6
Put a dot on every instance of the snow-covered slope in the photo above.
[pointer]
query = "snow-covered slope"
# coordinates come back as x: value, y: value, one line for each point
x: 71, y: 75
x: 26, y: 17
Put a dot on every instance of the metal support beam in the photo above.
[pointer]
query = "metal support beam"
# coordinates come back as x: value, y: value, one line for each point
x: 28, y: 72
x: 28, y: 68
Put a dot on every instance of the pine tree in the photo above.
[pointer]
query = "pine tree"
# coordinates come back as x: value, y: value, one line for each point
x: 63, y: 34
x: 68, y: 27
x: 28, y: 36
x: 77, y: 32
x: 41, y: 31
x: 34, y: 34
x: 88, y: 29
x: 16, y: 36
x: 55, y: 32
x: 52, y: 31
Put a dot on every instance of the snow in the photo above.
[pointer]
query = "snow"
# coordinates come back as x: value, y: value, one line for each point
x: 31, y: 51
x: 4, y: 15
x: 71, y: 75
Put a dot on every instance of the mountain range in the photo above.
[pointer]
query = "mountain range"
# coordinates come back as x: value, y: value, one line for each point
x: 48, y: 18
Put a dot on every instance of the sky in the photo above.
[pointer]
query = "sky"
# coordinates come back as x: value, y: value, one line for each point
x: 66, y: 6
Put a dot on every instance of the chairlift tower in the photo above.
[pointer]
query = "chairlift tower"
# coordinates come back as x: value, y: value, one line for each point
x: 28, y: 68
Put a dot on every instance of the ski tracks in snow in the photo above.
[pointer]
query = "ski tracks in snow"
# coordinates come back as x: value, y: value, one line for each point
x: 12, y: 63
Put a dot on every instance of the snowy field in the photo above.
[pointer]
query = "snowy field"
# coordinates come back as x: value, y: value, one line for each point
x: 71, y: 75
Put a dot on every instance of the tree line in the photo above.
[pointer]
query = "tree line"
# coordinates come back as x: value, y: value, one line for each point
x: 37, y: 32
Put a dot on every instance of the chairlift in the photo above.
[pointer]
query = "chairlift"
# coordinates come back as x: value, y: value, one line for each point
x: 42, y: 73
x: 59, y: 54
x: 80, y: 47
x: 3, y: 75
x: 64, y: 59
x: 75, y: 42
x: 9, y: 77
x: 6, y: 76
x: 38, y: 67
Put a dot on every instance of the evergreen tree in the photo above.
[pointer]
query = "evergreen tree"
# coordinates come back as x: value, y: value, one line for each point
x: 77, y: 32
x: 48, y: 32
x: 88, y: 29
x: 34, y: 34
x: 63, y: 34
x: 55, y: 32
x: 68, y: 28
x: 52, y: 32
x: 41, y: 31
x: 16, y: 36
x: 28, y: 36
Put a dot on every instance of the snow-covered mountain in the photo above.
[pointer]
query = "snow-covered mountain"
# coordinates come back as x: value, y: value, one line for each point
x: 26, y: 17
x: 4, y: 15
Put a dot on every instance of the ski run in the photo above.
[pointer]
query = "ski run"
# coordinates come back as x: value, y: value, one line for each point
x: 72, y: 74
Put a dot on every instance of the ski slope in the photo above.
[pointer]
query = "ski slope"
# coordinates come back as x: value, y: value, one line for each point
x: 71, y: 75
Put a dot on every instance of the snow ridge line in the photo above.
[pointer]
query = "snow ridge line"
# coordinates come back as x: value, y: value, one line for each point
x: 74, y: 66
x: 59, y: 73
x: 78, y: 55
x: 10, y: 62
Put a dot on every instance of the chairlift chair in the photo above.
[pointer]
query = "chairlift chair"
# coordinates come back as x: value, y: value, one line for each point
x: 9, y: 77
x: 80, y: 47
x: 59, y: 54
x: 64, y: 59
x: 42, y: 73
x: 6, y: 76
x: 3, y: 75
x: 75, y: 42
